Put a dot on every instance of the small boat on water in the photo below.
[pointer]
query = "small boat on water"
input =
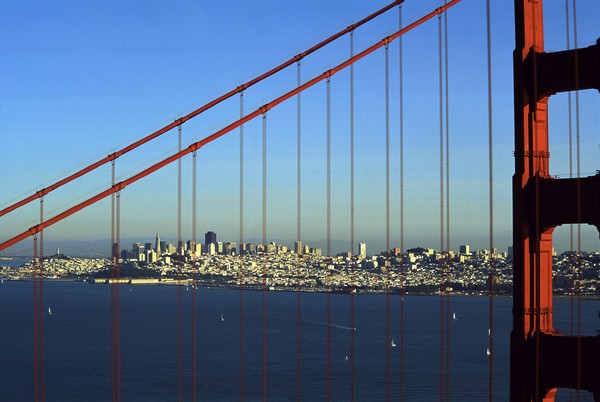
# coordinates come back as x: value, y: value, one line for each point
x: 222, y: 318
x: 488, y: 352
x: 49, y: 311
x: 393, y: 343
x: 454, y: 316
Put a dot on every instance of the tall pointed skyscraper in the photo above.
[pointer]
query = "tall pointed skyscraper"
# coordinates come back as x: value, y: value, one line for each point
x: 157, y: 246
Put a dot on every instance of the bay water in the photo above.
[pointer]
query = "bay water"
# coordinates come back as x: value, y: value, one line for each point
x: 77, y: 344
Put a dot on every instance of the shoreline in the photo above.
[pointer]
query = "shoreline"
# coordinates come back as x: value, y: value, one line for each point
x: 187, y: 283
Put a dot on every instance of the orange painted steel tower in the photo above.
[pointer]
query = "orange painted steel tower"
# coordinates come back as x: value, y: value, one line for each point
x: 542, y: 360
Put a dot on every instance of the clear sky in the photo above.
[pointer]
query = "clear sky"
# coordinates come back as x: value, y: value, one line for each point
x: 82, y: 79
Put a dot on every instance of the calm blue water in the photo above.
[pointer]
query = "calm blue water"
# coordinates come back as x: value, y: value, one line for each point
x: 77, y: 344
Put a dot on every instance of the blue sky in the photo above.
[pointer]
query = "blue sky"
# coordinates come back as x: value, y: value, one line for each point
x: 82, y: 79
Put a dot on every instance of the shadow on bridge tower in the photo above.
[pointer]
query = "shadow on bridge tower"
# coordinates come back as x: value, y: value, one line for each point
x: 541, y: 359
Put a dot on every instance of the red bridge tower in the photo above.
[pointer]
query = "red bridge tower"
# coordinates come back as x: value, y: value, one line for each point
x: 542, y: 360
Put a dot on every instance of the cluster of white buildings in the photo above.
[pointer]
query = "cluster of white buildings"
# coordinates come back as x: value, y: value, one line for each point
x: 278, y: 267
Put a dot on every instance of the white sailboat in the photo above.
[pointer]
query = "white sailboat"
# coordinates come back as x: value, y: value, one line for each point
x: 49, y: 311
x: 222, y: 318
x: 393, y: 343
x: 454, y: 316
x: 488, y: 352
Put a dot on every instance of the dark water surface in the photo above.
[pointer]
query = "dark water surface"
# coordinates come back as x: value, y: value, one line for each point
x: 78, y: 352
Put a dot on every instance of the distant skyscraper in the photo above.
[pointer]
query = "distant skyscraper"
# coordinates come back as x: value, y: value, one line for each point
x: 464, y: 249
x: 210, y: 238
x: 362, y: 250
x: 298, y: 247
x: 157, y: 244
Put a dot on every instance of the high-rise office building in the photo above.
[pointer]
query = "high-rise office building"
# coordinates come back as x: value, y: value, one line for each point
x: 210, y: 238
x: 362, y: 250
x: 298, y: 247
x: 157, y: 244
x: 464, y: 249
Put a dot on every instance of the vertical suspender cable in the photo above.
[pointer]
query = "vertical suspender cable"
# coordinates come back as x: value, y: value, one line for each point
x: 491, y: 205
x: 194, y: 277
x: 264, y: 251
x: 299, y: 235
x: 387, y: 222
x: 441, y: 261
x: 242, y: 251
x: 571, y: 234
x: 578, y: 147
x: 352, y: 239
x: 113, y: 248
x: 447, y: 258
x: 41, y: 300
x: 400, y: 92
x: 328, y: 238
x: 179, y: 256
x: 118, y: 299
x: 36, y: 311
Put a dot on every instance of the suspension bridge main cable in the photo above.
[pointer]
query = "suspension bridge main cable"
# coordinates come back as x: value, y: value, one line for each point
x: 197, y: 145
x: 191, y: 115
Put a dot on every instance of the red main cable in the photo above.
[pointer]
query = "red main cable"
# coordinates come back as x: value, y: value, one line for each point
x: 202, y: 109
x: 193, y: 147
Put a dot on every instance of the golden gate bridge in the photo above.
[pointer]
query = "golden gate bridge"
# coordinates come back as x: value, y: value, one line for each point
x: 541, y: 360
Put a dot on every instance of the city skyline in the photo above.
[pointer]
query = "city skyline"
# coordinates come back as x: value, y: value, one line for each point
x: 85, y: 81
x: 96, y: 248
